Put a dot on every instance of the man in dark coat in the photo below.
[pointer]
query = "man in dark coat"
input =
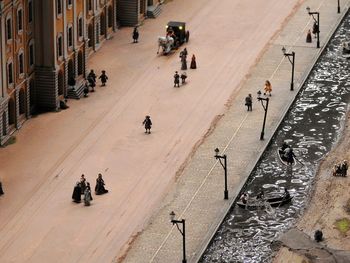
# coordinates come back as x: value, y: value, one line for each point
x: 176, y: 79
x: 183, y: 62
x: 92, y: 80
x: 135, y: 35
x: 249, y: 102
x: 76, y: 196
x: 148, y: 124
x: 100, y: 186
x: 1, y: 191
x: 103, y: 77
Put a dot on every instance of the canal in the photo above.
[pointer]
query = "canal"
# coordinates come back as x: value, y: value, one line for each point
x: 312, y: 126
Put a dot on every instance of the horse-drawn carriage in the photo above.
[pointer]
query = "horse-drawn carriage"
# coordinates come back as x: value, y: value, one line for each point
x: 176, y: 35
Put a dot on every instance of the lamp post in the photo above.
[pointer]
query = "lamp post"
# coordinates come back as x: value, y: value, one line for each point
x: 317, y: 23
x: 224, y: 165
x: 183, y: 232
x: 292, y: 62
x: 338, y: 6
x: 265, y: 107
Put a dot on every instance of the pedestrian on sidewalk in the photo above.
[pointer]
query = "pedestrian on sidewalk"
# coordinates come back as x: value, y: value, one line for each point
x: 344, y: 168
x: 82, y: 183
x: 249, y: 102
x: 86, y: 89
x: 76, y: 196
x: 183, y: 77
x: 193, y: 62
x: 1, y: 190
x: 267, y: 88
x: 135, y: 35
x: 308, y: 37
x: 100, y: 185
x: 148, y: 124
x: 183, y: 62
x: 176, y: 79
x: 183, y: 53
x: 87, y: 195
x: 103, y: 78
x: 92, y: 80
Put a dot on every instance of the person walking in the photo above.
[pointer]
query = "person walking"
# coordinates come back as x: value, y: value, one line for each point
x: 193, y: 62
x: 86, y: 89
x: 82, y: 183
x: 1, y: 190
x: 92, y: 80
x: 308, y: 37
x: 176, y: 79
x: 76, y: 196
x: 315, y: 29
x: 135, y: 35
x: 249, y: 102
x: 267, y: 88
x: 183, y: 77
x: 183, y: 62
x: 100, y: 185
x: 344, y: 168
x: 148, y: 124
x: 87, y: 195
x: 103, y: 78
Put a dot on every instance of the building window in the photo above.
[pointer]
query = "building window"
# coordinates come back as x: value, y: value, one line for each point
x: 21, y: 63
x: 9, y: 28
x: 19, y: 20
x: 70, y: 36
x: 89, y: 5
x: 69, y: 3
x: 10, y: 73
x: 80, y: 27
x: 30, y: 11
x: 59, y: 7
x: 60, y: 46
x: 31, y: 54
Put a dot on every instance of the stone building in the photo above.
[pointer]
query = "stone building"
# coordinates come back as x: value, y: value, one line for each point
x: 16, y: 64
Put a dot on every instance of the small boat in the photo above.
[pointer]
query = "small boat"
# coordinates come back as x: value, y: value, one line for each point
x: 282, y: 159
x: 274, y: 201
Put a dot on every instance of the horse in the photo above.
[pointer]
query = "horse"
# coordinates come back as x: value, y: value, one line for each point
x: 166, y: 43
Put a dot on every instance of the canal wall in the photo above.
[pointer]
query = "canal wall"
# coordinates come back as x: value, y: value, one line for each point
x: 198, y: 193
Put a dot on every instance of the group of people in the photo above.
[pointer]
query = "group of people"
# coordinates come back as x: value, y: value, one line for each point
x: 91, y: 81
x: 249, y: 100
x: 83, y: 188
x: 286, y: 153
x: 315, y: 30
x: 183, y: 76
x: 341, y: 169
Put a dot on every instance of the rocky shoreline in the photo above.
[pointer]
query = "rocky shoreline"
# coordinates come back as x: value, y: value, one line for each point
x: 328, y: 210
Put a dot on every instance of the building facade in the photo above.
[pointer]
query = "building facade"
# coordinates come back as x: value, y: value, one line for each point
x: 44, y: 47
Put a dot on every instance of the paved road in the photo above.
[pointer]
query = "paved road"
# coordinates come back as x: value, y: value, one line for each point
x: 103, y: 133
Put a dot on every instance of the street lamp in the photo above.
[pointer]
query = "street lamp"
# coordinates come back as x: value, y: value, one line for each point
x: 183, y: 233
x: 338, y: 7
x: 224, y: 165
x: 292, y: 62
x: 265, y: 107
x: 317, y: 23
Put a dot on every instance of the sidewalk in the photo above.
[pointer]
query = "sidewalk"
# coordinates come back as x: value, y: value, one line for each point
x: 198, y: 193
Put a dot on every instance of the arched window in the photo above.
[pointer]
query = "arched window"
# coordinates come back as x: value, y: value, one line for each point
x: 21, y: 63
x: 12, y: 111
x: 59, y: 45
x: 80, y: 26
x: 31, y: 53
x: 10, y: 72
x: 9, y: 28
x: 30, y: 11
x: 19, y: 20
x: 91, y: 34
x: 70, y: 36
x: 80, y: 63
x: 59, y: 7
x: 4, y: 130
x: 22, y: 102
x: 110, y: 16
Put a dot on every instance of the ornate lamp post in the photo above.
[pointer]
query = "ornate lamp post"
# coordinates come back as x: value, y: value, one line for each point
x: 265, y: 107
x: 183, y: 232
x: 292, y: 62
x: 224, y: 165
x: 317, y: 21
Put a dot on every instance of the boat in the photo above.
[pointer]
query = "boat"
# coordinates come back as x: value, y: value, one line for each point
x: 274, y: 201
x: 283, y: 160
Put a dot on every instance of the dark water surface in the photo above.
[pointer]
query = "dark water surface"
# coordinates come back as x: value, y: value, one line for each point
x: 312, y: 126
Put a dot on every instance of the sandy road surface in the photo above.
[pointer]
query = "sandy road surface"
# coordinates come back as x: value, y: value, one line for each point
x: 104, y: 134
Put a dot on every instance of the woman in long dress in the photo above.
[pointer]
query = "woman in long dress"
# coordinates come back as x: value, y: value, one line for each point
x: 100, y: 186
x: 87, y: 195
x: 76, y: 196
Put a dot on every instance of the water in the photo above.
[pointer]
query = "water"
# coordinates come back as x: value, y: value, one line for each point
x: 312, y: 126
